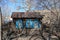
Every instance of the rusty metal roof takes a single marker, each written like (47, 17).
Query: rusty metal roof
(26, 15)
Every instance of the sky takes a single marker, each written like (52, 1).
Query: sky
(9, 6)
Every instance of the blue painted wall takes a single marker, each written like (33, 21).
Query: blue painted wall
(28, 24)
(19, 24)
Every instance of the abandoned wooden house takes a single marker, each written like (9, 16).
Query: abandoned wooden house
(27, 19)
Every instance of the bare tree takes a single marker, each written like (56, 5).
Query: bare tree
(53, 7)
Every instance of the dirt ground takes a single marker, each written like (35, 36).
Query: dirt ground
(32, 32)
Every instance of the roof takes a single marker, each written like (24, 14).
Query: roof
(26, 15)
